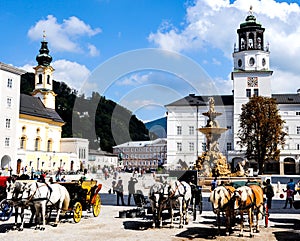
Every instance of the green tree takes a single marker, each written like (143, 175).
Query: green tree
(261, 130)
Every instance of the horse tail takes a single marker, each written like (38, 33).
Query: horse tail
(66, 201)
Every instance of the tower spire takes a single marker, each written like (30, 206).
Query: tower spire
(43, 58)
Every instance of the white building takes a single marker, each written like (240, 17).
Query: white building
(9, 107)
(143, 154)
(99, 159)
(251, 75)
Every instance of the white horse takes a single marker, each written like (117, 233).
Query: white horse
(180, 193)
(43, 195)
(222, 201)
(158, 196)
(17, 197)
(37, 196)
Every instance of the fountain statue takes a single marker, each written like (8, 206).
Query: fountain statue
(212, 162)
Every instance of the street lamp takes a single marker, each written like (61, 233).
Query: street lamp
(38, 163)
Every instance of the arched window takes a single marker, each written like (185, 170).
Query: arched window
(40, 79)
(289, 166)
(37, 144)
(251, 41)
(23, 142)
(48, 79)
(49, 145)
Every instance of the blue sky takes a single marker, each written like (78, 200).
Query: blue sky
(103, 45)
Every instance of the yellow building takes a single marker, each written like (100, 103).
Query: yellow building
(39, 128)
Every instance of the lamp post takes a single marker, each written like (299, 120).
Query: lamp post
(38, 163)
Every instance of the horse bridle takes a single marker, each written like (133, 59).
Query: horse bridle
(219, 201)
(172, 195)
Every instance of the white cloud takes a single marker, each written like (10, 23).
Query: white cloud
(63, 36)
(134, 79)
(93, 51)
(71, 73)
(285, 81)
(213, 24)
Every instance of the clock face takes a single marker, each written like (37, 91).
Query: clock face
(251, 61)
(252, 82)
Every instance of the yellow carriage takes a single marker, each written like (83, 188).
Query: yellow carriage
(84, 196)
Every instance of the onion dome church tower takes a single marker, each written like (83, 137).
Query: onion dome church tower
(44, 76)
(251, 74)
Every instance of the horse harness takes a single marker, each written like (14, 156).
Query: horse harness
(229, 201)
(252, 202)
(172, 195)
(31, 197)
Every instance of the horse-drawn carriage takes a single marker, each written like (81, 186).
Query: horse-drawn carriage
(41, 198)
(84, 196)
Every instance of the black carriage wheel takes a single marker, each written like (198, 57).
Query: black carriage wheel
(200, 203)
(194, 209)
(6, 210)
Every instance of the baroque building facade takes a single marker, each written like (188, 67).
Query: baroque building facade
(251, 75)
(33, 140)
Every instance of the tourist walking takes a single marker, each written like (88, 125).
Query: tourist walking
(292, 185)
(269, 191)
(120, 192)
(289, 197)
(131, 188)
(214, 184)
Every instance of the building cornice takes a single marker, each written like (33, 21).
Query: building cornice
(41, 119)
(11, 69)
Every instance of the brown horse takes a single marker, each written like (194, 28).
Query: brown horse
(221, 199)
(249, 199)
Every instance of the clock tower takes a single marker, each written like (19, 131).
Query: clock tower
(251, 74)
(44, 76)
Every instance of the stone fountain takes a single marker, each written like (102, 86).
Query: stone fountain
(212, 162)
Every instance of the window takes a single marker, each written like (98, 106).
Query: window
(49, 145)
(298, 146)
(298, 130)
(297, 112)
(191, 146)
(248, 93)
(256, 92)
(191, 130)
(179, 130)
(7, 123)
(203, 146)
(23, 142)
(9, 83)
(179, 146)
(7, 141)
(8, 102)
(37, 144)
(40, 79)
(48, 79)
(229, 146)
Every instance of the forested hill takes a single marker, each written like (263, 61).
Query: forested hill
(87, 124)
